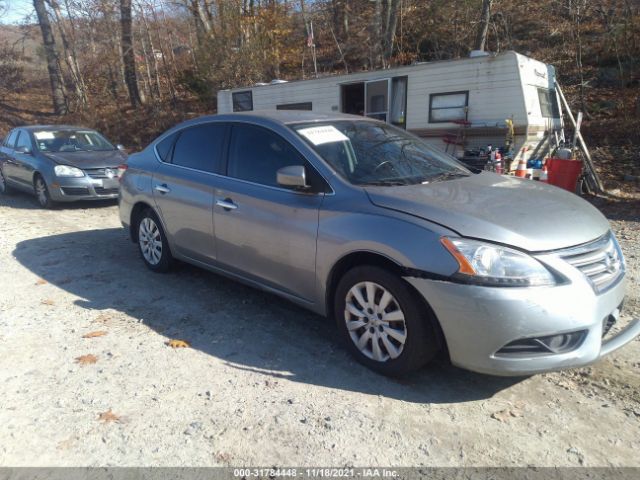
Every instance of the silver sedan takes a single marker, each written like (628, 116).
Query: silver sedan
(406, 248)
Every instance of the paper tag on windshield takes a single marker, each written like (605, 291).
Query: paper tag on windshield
(324, 134)
(44, 135)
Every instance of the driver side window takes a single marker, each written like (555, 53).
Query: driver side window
(24, 141)
(256, 154)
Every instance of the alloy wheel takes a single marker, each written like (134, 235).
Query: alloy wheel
(41, 192)
(150, 241)
(375, 321)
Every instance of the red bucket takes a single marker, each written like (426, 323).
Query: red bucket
(564, 173)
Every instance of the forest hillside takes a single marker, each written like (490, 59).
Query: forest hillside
(134, 68)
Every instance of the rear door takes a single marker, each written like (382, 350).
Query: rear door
(183, 188)
(264, 231)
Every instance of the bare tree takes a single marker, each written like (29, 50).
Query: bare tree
(483, 26)
(60, 105)
(128, 54)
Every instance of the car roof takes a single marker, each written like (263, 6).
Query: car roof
(33, 128)
(283, 117)
(295, 116)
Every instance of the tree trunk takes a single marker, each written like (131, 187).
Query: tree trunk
(483, 26)
(70, 57)
(391, 23)
(60, 106)
(128, 54)
(376, 34)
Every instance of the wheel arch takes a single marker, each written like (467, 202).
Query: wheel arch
(362, 258)
(136, 211)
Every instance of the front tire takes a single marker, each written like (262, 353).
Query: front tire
(152, 243)
(42, 192)
(383, 323)
(5, 189)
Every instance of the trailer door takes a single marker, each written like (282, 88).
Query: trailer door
(377, 99)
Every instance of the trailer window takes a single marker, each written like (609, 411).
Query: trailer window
(548, 103)
(448, 107)
(295, 106)
(242, 101)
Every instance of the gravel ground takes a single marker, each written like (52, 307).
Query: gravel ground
(263, 382)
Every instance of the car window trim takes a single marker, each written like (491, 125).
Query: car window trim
(272, 187)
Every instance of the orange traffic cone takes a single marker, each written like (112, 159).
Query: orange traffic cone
(544, 176)
(522, 169)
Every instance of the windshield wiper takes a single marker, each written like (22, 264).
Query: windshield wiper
(445, 176)
(386, 183)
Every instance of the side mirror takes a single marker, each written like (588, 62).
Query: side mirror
(120, 147)
(24, 150)
(292, 176)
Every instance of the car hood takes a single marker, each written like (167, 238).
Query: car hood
(526, 214)
(110, 158)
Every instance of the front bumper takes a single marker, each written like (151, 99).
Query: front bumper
(70, 189)
(478, 321)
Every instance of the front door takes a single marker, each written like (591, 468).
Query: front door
(183, 188)
(264, 231)
(24, 162)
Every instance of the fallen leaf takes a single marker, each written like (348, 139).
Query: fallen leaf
(48, 301)
(97, 333)
(502, 416)
(86, 359)
(505, 415)
(175, 343)
(109, 416)
(41, 281)
(103, 318)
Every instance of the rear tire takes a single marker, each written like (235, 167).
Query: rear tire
(41, 190)
(392, 333)
(152, 242)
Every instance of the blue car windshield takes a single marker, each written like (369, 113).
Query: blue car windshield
(55, 141)
(374, 153)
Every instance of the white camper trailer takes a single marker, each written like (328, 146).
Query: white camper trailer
(458, 105)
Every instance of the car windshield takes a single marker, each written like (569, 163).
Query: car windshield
(71, 141)
(370, 153)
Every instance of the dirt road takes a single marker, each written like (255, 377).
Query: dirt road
(263, 382)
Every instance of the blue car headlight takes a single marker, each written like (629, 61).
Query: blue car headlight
(67, 171)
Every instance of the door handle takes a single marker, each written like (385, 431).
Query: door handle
(162, 188)
(227, 204)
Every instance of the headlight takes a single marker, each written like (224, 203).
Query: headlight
(67, 171)
(488, 264)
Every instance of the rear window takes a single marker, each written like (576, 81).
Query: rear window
(11, 139)
(200, 147)
(165, 146)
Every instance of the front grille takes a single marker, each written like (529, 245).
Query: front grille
(75, 190)
(102, 172)
(105, 191)
(600, 261)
